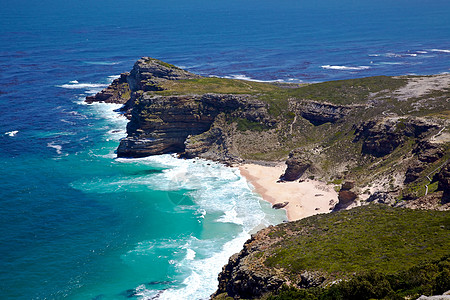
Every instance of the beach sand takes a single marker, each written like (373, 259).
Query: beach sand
(305, 198)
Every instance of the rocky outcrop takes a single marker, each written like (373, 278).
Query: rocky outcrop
(117, 92)
(432, 201)
(164, 124)
(297, 164)
(247, 277)
(444, 183)
(319, 113)
(323, 250)
(347, 195)
(148, 74)
(428, 152)
(382, 136)
(381, 198)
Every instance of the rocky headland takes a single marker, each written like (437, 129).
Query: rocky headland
(381, 140)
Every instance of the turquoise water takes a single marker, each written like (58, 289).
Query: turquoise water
(77, 223)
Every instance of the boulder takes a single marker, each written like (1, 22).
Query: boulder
(346, 196)
(280, 205)
(296, 166)
(382, 198)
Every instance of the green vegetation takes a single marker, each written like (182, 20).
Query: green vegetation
(244, 124)
(347, 91)
(216, 85)
(371, 238)
(424, 279)
(162, 63)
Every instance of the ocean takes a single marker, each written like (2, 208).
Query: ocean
(78, 223)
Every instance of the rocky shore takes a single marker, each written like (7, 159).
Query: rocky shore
(378, 140)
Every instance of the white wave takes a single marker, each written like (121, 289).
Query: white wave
(202, 281)
(74, 86)
(73, 82)
(374, 55)
(230, 216)
(422, 52)
(390, 63)
(12, 133)
(111, 78)
(392, 55)
(67, 122)
(57, 147)
(221, 198)
(244, 77)
(103, 63)
(440, 50)
(190, 255)
(345, 68)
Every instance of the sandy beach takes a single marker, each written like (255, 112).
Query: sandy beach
(305, 198)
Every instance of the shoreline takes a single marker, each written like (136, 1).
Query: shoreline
(306, 198)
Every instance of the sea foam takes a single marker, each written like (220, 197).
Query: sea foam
(12, 133)
(345, 68)
(440, 50)
(221, 196)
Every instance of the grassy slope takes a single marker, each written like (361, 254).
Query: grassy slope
(374, 237)
(341, 155)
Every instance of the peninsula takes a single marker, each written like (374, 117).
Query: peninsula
(345, 144)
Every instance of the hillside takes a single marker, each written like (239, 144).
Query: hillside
(388, 135)
(376, 140)
(375, 242)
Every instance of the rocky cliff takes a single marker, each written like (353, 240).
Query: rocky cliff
(386, 134)
(378, 140)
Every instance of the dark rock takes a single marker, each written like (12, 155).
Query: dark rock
(310, 279)
(296, 166)
(319, 113)
(382, 136)
(428, 152)
(280, 205)
(347, 185)
(413, 172)
(444, 183)
(382, 198)
(117, 92)
(346, 197)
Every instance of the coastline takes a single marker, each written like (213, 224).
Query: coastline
(306, 198)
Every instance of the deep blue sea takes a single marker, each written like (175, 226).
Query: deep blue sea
(77, 223)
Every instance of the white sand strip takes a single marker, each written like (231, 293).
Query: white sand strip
(305, 198)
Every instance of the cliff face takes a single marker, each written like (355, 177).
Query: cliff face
(386, 134)
(378, 139)
(162, 124)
